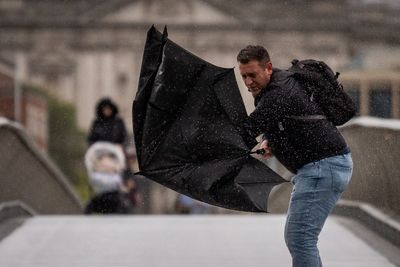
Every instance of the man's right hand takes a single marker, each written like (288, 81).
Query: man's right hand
(267, 149)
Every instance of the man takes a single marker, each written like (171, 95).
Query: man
(312, 149)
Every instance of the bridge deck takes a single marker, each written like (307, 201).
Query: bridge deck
(173, 241)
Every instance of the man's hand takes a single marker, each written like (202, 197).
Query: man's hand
(267, 149)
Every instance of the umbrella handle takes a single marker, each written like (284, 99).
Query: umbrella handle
(258, 151)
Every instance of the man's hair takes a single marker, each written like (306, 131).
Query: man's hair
(253, 52)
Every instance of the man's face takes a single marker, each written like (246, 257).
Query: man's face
(107, 111)
(255, 76)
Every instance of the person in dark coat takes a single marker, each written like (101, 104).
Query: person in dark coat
(312, 149)
(108, 126)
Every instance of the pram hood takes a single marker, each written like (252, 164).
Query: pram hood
(104, 157)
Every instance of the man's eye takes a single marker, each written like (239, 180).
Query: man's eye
(252, 75)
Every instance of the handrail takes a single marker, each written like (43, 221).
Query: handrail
(47, 168)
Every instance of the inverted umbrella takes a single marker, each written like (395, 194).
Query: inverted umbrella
(187, 120)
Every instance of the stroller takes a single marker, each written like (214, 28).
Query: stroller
(105, 163)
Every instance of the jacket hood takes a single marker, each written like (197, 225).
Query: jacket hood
(104, 102)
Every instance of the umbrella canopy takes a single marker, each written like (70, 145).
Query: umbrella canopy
(187, 118)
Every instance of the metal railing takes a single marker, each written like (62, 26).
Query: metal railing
(375, 146)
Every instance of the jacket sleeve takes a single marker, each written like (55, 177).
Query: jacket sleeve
(92, 137)
(122, 133)
(267, 115)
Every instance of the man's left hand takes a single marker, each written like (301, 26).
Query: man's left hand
(267, 149)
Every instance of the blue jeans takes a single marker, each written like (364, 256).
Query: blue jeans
(317, 188)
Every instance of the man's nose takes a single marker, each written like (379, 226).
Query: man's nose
(248, 81)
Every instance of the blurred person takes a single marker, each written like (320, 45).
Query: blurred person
(131, 181)
(131, 158)
(132, 193)
(107, 126)
(314, 150)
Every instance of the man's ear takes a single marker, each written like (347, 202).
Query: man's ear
(268, 69)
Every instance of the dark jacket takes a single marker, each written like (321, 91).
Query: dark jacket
(294, 142)
(108, 129)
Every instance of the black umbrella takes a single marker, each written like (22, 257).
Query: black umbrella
(187, 118)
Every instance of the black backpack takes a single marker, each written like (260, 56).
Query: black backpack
(323, 87)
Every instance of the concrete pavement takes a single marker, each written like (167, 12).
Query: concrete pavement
(173, 241)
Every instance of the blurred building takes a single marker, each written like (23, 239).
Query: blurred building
(83, 50)
(33, 108)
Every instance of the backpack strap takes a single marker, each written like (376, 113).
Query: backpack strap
(309, 117)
